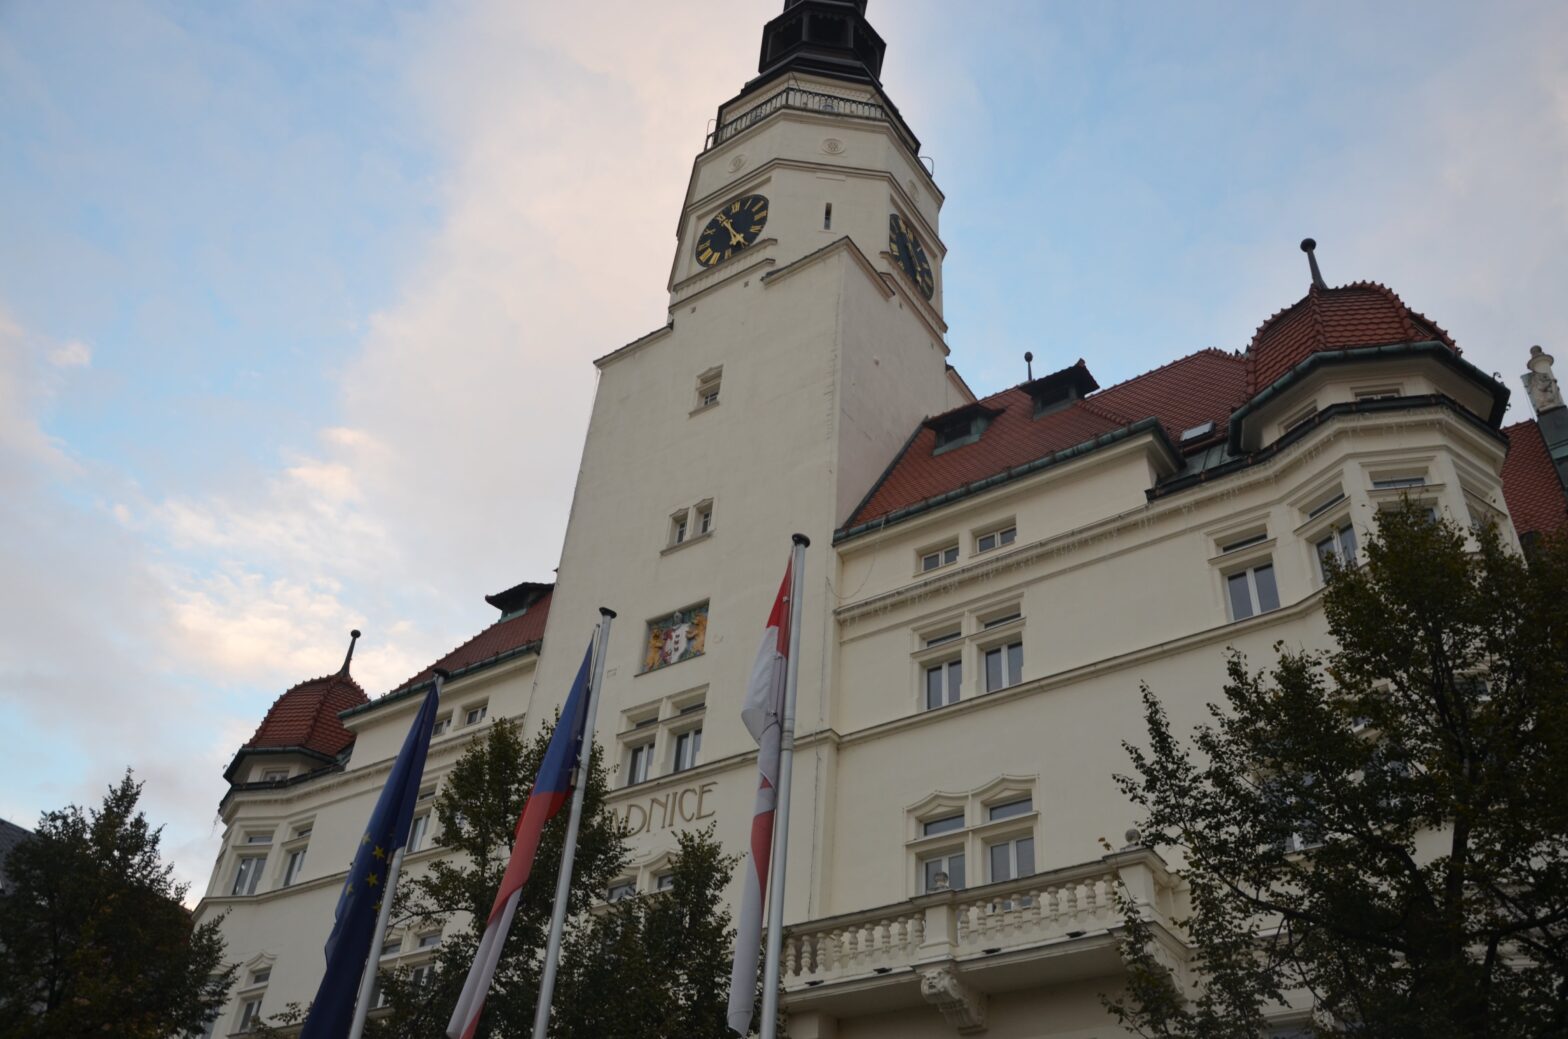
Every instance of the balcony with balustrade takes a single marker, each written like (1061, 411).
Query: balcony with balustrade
(955, 950)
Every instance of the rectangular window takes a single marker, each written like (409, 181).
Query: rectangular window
(422, 975)
(940, 872)
(996, 539)
(1004, 666)
(261, 977)
(1246, 542)
(442, 725)
(1381, 393)
(259, 838)
(997, 622)
(943, 682)
(296, 863)
(687, 745)
(640, 764)
(275, 775)
(418, 830)
(620, 891)
(392, 946)
(946, 824)
(704, 519)
(476, 715)
(1337, 549)
(693, 708)
(937, 640)
(708, 387)
(1252, 591)
(1011, 859)
(940, 558)
(1301, 418)
(248, 876)
(827, 217)
(1395, 482)
(1011, 809)
(430, 941)
(678, 528)
(250, 1015)
(1328, 503)
(664, 882)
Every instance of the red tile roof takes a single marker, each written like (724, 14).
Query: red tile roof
(1362, 313)
(1535, 495)
(504, 636)
(1202, 387)
(306, 717)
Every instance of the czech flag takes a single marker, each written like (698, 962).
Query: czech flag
(763, 717)
(552, 790)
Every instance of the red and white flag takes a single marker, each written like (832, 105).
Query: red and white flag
(762, 716)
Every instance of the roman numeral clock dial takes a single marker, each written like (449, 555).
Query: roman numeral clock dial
(910, 255)
(734, 227)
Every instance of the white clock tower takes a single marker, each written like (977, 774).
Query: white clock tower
(805, 340)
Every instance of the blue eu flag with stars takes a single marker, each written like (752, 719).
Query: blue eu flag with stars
(348, 946)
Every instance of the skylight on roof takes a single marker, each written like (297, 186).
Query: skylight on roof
(1201, 430)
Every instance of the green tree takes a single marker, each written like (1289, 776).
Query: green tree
(660, 958)
(94, 939)
(1384, 825)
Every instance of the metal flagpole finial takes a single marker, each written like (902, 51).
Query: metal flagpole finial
(605, 611)
(1308, 246)
(1029, 363)
(442, 673)
(802, 540)
(353, 637)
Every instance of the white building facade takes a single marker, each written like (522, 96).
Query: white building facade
(989, 582)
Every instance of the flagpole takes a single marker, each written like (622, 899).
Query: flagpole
(367, 979)
(563, 883)
(770, 968)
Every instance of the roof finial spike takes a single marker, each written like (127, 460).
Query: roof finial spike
(1307, 246)
(1029, 363)
(353, 637)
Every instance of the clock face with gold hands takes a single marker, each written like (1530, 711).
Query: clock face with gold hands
(909, 255)
(735, 226)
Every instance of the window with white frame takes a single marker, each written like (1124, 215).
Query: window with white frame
(418, 831)
(942, 871)
(293, 867)
(937, 558)
(250, 1014)
(1252, 591)
(943, 824)
(708, 385)
(247, 875)
(1009, 809)
(1336, 548)
(944, 679)
(1300, 418)
(441, 726)
(679, 527)
(639, 763)
(621, 890)
(275, 775)
(687, 746)
(1378, 393)
(664, 882)
(1398, 482)
(429, 940)
(1010, 858)
(1004, 665)
(995, 539)
(704, 520)
(476, 714)
(208, 1028)
(422, 975)
(392, 946)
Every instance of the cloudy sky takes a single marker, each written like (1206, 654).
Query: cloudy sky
(297, 300)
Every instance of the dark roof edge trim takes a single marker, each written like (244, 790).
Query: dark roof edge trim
(1429, 400)
(1357, 354)
(399, 695)
(1066, 454)
(243, 752)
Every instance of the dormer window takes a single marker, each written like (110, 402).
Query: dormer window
(1059, 389)
(957, 428)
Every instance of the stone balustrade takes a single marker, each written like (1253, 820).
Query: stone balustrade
(953, 926)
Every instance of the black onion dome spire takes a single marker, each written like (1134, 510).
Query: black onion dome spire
(824, 37)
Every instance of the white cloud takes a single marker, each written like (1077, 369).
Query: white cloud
(74, 354)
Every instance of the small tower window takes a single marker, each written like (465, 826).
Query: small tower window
(827, 217)
(708, 384)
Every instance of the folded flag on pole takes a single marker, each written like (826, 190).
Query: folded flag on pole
(762, 715)
(348, 946)
(551, 790)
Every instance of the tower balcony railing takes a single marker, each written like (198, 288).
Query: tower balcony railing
(799, 99)
(1065, 921)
